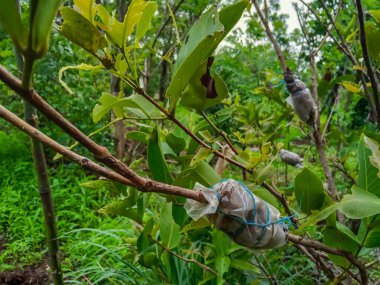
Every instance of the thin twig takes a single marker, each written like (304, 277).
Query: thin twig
(340, 166)
(346, 49)
(271, 278)
(329, 28)
(320, 246)
(172, 118)
(270, 35)
(203, 266)
(317, 133)
(330, 115)
(166, 22)
(219, 132)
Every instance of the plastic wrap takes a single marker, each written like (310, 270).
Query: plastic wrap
(245, 218)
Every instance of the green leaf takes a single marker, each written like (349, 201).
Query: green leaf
(133, 17)
(207, 174)
(376, 15)
(80, 31)
(137, 136)
(372, 33)
(199, 45)
(202, 154)
(177, 144)
(368, 179)
(317, 216)
(142, 242)
(352, 87)
(196, 225)
(221, 242)
(309, 190)
(45, 12)
(204, 90)
(335, 238)
(156, 159)
(373, 238)
(231, 14)
(10, 19)
(99, 184)
(244, 265)
(111, 26)
(203, 38)
(222, 265)
(87, 8)
(144, 108)
(375, 157)
(121, 208)
(347, 231)
(145, 21)
(169, 230)
(109, 102)
(179, 214)
(360, 204)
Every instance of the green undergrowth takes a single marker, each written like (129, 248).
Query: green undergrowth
(91, 244)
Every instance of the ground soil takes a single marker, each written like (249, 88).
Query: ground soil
(32, 274)
(36, 275)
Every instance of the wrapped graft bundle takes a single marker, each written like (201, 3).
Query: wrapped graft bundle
(245, 218)
(300, 99)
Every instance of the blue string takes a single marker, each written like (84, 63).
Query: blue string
(283, 221)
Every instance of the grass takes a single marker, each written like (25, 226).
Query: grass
(92, 245)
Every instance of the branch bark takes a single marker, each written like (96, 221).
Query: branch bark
(270, 35)
(317, 133)
(370, 71)
(320, 246)
(147, 186)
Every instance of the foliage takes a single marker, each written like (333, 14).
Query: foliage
(111, 233)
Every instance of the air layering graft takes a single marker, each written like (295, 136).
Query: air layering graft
(245, 218)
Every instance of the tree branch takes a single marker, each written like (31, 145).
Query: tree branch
(147, 186)
(317, 133)
(371, 73)
(101, 153)
(172, 118)
(150, 186)
(270, 35)
(320, 246)
(346, 50)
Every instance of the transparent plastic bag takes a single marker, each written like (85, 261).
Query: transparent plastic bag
(245, 218)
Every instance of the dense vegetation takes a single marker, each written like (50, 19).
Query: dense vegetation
(173, 91)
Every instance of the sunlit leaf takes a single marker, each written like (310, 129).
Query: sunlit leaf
(144, 23)
(109, 102)
(80, 31)
(87, 8)
(352, 87)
